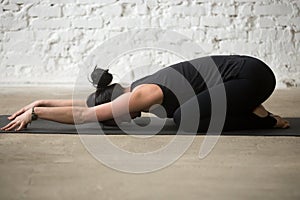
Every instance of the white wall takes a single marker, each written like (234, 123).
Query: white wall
(43, 41)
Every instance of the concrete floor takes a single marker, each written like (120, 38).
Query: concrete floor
(57, 166)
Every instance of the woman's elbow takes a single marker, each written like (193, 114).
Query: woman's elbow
(81, 115)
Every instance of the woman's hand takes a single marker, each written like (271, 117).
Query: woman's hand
(19, 122)
(24, 109)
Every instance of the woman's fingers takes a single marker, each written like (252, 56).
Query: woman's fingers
(21, 126)
(16, 114)
(9, 126)
(14, 124)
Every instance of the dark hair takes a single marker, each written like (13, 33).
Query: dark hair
(104, 93)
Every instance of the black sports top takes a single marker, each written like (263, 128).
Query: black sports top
(179, 82)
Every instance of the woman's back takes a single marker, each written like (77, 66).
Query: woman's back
(181, 81)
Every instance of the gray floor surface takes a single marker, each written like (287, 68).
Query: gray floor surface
(58, 166)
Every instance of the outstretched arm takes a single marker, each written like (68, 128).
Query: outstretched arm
(67, 115)
(139, 100)
(61, 103)
(49, 103)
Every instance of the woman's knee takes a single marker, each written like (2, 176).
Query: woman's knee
(187, 123)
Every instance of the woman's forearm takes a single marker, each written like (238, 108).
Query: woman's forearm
(67, 115)
(61, 103)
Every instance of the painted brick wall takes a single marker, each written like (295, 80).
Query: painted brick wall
(44, 41)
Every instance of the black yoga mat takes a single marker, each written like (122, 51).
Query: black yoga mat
(140, 126)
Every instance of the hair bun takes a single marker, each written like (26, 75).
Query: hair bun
(101, 78)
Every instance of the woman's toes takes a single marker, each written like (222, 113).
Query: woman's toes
(281, 123)
(287, 124)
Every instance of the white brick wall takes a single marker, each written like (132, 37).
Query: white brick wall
(44, 41)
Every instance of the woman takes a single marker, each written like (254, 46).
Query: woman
(248, 82)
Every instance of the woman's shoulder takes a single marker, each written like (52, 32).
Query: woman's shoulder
(147, 88)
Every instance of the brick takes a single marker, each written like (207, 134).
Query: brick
(42, 34)
(224, 34)
(111, 33)
(11, 6)
(184, 22)
(288, 21)
(154, 21)
(210, 21)
(193, 10)
(186, 33)
(24, 1)
(238, 47)
(195, 21)
(111, 10)
(265, 47)
(198, 35)
(297, 36)
(20, 35)
(206, 46)
(151, 4)
(255, 1)
(97, 2)
(66, 2)
(284, 46)
(296, 23)
(283, 21)
(191, 48)
(265, 22)
(88, 34)
(174, 2)
(170, 38)
(22, 59)
(168, 22)
(223, 10)
(275, 9)
(54, 38)
(45, 11)
(284, 35)
(175, 22)
(141, 58)
(57, 50)
(259, 35)
(12, 24)
(50, 23)
(96, 22)
(129, 22)
(1, 36)
(75, 55)
(245, 23)
(72, 35)
(244, 10)
(216, 1)
(142, 9)
(131, 1)
(63, 61)
(73, 10)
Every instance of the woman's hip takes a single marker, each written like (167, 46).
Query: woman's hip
(257, 72)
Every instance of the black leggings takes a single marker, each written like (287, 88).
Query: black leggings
(253, 85)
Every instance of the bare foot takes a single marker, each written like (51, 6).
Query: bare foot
(281, 123)
(262, 112)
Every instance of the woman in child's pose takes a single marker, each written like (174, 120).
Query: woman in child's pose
(248, 82)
